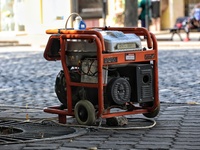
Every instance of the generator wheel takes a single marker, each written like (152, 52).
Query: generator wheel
(153, 113)
(85, 112)
(60, 88)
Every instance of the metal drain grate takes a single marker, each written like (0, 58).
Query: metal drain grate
(20, 132)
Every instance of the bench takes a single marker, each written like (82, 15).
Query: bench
(180, 26)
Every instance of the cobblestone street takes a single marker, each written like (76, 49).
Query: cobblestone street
(179, 75)
(28, 79)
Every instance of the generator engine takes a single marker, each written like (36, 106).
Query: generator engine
(124, 83)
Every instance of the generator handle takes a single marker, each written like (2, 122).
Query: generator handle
(71, 32)
(155, 47)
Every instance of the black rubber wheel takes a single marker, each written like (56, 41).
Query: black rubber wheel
(153, 113)
(60, 88)
(85, 112)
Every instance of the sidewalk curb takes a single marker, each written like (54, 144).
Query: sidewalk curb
(40, 40)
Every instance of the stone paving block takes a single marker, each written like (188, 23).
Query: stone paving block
(127, 139)
(163, 135)
(127, 135)
(91, 139)
(193, 113)
(154, 146)
(80, 144)
(186, 139)
(99, 133)
(70, 148)
(177, 108)
(162, 132)
(195, 108)
(188, 133)
(185, 147)
(5, 115)
(155, 142)
(132, 132)
(114, 146)
(43, 144)
(175, 111)
(192, 118)
(189, 124)
(119, 142)
(12, 147)
(189, 128)
(186, 143)
(20, 116)
(168, 123)
(170, 117)
(40, 148)
(156, 139)
(176, 149)
(162, 127)
(94, 142)
(45, 115)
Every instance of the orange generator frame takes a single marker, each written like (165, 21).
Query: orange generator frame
(84, 111)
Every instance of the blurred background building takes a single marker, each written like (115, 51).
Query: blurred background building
(35, 16)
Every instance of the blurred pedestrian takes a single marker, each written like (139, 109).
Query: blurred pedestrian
(193, 21)
(144, 12)
(155, 8)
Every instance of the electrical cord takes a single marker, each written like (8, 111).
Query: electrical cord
(86, 126)
(113, 128)
(53, 119)
(69, 17)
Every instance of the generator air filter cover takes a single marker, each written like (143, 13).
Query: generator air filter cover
(89, 71)
(116, 41)
(144, 85)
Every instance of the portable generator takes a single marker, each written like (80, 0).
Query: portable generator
(104, 68)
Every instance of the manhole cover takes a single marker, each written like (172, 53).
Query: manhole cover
(12, 131)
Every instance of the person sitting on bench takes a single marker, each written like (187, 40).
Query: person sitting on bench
(194, 21)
